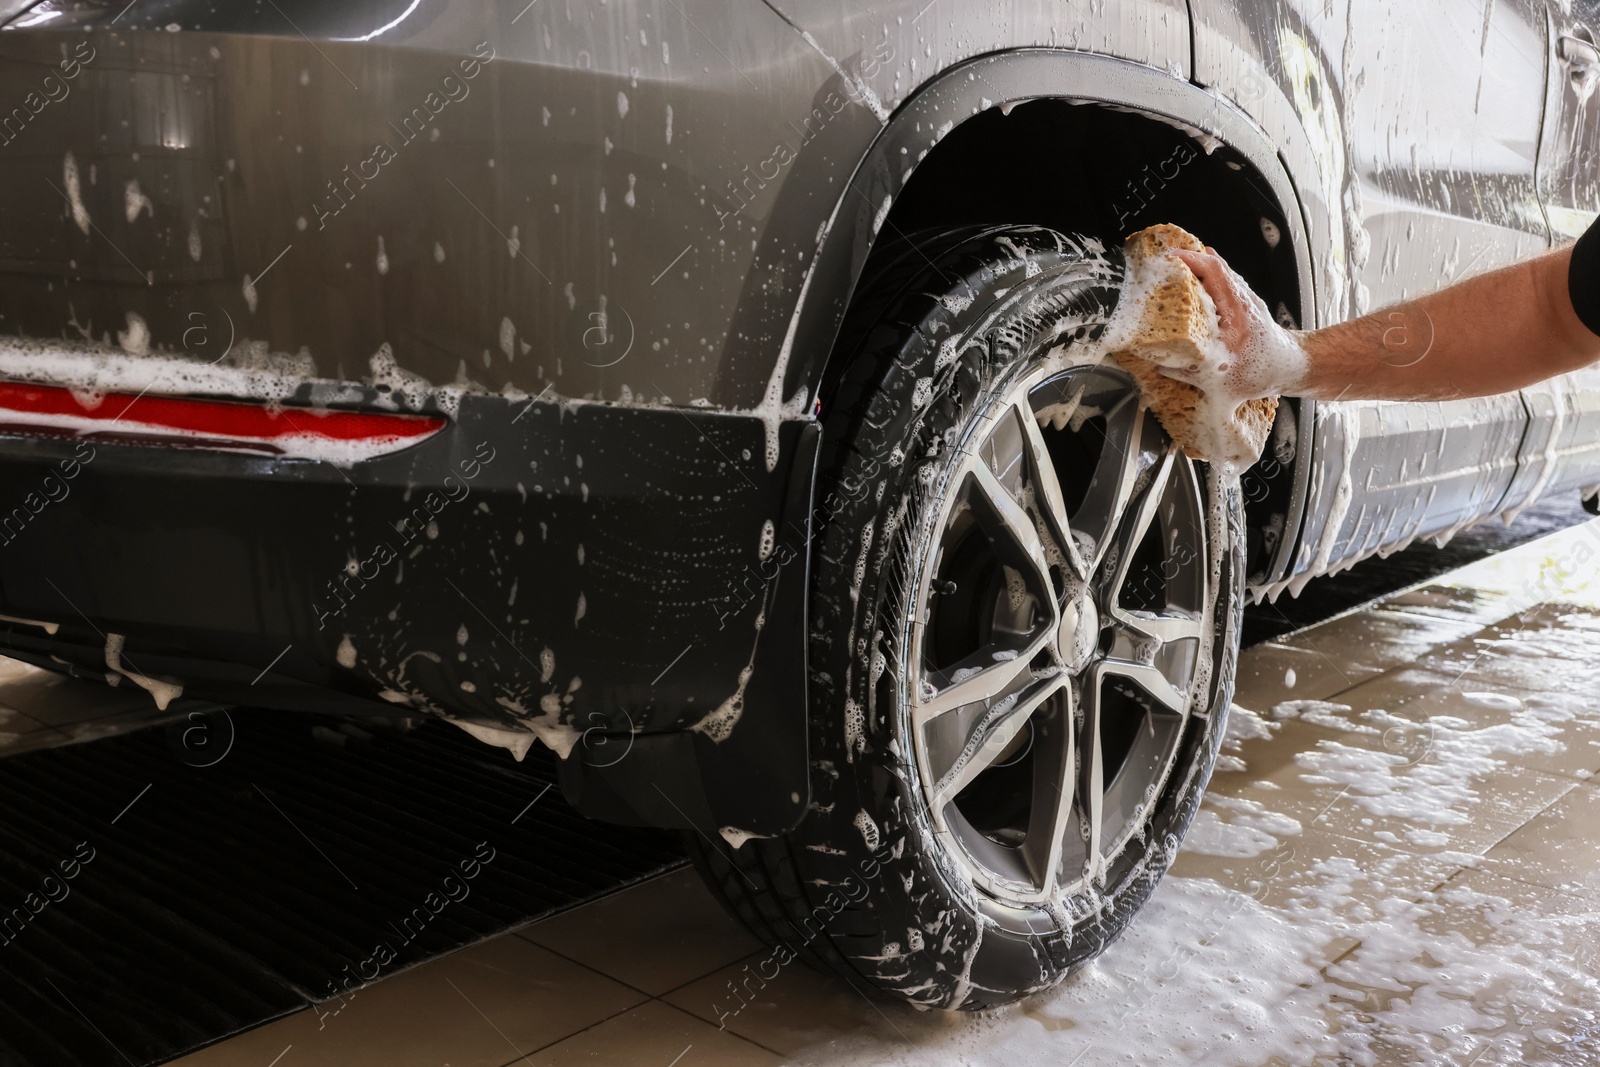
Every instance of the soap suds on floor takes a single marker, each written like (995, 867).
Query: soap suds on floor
(1407, 954)
(1210, 974)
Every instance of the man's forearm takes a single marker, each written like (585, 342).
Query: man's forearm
(1490, 334)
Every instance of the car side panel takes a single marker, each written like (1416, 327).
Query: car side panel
(1409, 180)
(622, 204)
(1561, 452)
(1389, 473)
(1569, 167)
(1562, 449)
(665, 169)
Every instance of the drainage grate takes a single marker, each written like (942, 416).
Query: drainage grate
(155, 906)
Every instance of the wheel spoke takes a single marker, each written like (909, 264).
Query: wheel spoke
(1136, 523)
(979, 678)
(1147, 628)
(1091, 773)
(1159, 629)
(1013, 524)
(1150, 713)
(1151, 680)
(1115, 476)
(993, 731)
(1013, 519)
(1054, 790)
(1042, 471)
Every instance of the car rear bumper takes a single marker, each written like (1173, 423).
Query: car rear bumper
(584, 572)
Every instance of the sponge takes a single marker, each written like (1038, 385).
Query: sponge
(1172, 322)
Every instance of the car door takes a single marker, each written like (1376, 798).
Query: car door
(1413, 133)
(1569, 167)
(1561, 450)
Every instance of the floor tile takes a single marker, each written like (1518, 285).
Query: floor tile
(654, 936)
(1483, 970)
(12, 670)
(1554, 646)
(1559, 565)
(1393, 688)
(122, 722)
(41, 709)
(1573, 910)
(1554, 732)
(481, 1007)
(654, 1034)
(794, 1008)
(20, 732)
(1456, 602)
(1433, 807)
(1261, 752)
(1558, 848)
(1344, 882)
(1270, 672)
(1417, 784)
(14, 719)
(1280, 873)
(60, 700)
(37, 737)
(1366, 643)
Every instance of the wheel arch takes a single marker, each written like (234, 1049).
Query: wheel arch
(965, 149)
(914, 172)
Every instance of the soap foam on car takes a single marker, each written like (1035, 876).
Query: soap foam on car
(1167, 323)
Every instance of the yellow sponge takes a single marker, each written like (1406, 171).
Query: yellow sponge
(1175, 327)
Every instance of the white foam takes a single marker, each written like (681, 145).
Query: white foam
(162, 690)
(516, 742)
(69, 177)
(1210, 836)
(1271, 364)
(1433, 782)
(736, 837)
(1210, 974)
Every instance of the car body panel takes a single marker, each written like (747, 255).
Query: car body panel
(1415, 169)
(1386, 474)
(1562, 450)
(616, 243)
(604, 143)
(580, 242)
(1569, 169)
(488, 571)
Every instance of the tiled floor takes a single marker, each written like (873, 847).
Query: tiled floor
(1398, 862)
(42, 709)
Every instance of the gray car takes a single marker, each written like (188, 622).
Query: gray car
(711, 391)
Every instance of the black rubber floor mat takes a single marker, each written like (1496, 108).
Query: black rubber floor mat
(149, 906)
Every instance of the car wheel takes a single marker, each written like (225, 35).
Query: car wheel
(1025, 617)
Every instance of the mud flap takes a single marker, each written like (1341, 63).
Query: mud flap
(743, 769)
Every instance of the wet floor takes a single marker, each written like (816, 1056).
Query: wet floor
(1398, 862)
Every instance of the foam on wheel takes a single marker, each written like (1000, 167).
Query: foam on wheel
(1025, 616)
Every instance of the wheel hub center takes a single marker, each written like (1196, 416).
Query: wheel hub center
(1078, 635)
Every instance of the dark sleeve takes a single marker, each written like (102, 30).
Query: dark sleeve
(1583, 278)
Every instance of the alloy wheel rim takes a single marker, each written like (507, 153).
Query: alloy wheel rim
(1056, 633)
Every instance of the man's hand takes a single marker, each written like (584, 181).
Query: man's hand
(1237, 304)
(1262, 359)
(1489, 334)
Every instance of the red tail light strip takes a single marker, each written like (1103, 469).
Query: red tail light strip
(338, 436)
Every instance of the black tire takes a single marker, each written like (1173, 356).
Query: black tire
(869, 885)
